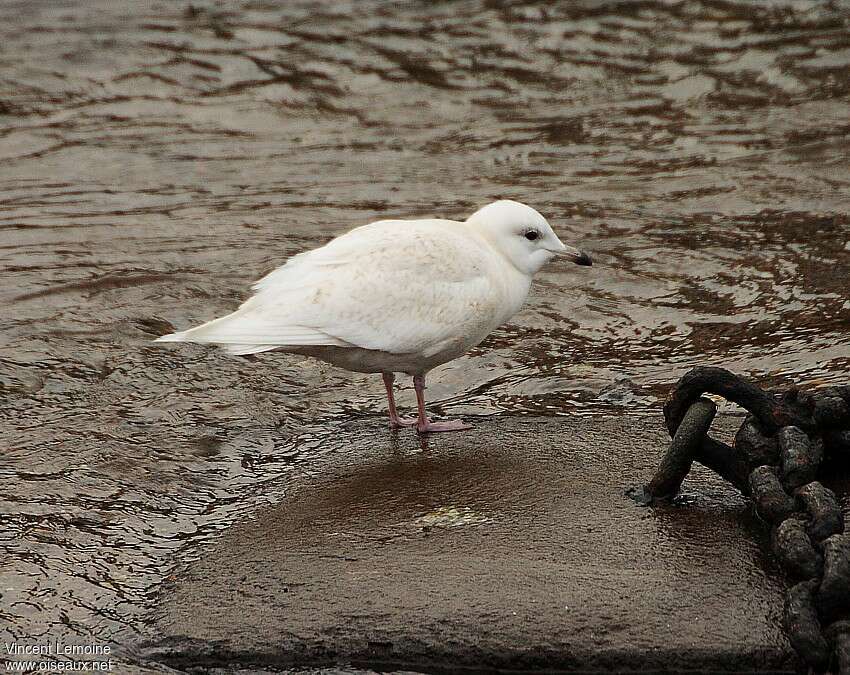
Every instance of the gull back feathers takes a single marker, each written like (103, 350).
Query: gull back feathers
(424, 288)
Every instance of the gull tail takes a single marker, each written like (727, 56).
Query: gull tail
(243, 350)
(246, 331)
(174, 337)
(210, 333)
(217, 331)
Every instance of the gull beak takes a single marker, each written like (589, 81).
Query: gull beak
(577, 256)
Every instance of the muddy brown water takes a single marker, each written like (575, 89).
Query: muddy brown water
(158, 157)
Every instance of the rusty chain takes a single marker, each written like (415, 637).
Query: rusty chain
(786, 443)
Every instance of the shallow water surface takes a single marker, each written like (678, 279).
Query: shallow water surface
(159, 157)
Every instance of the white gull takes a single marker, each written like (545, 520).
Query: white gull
(395, 296)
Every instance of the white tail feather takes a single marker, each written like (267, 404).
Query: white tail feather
(173, 337)
(249, 332)
(242, 350)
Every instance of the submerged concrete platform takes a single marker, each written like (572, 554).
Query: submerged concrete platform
(510, 547)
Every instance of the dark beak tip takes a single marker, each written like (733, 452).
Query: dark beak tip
(584, 260)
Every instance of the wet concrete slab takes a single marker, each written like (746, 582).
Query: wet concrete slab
(510, 547)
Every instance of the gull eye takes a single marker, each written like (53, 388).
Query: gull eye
(532, 235)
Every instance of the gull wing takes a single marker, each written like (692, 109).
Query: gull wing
(395, 286)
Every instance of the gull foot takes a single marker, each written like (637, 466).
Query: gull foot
(449, 425)
(401, 422)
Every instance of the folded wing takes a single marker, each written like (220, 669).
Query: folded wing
(395, 286)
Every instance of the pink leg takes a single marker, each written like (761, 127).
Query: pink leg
(424, 425)
(395, 421)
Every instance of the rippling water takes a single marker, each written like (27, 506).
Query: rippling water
(159, 157)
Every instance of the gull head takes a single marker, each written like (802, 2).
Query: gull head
(522, 235)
